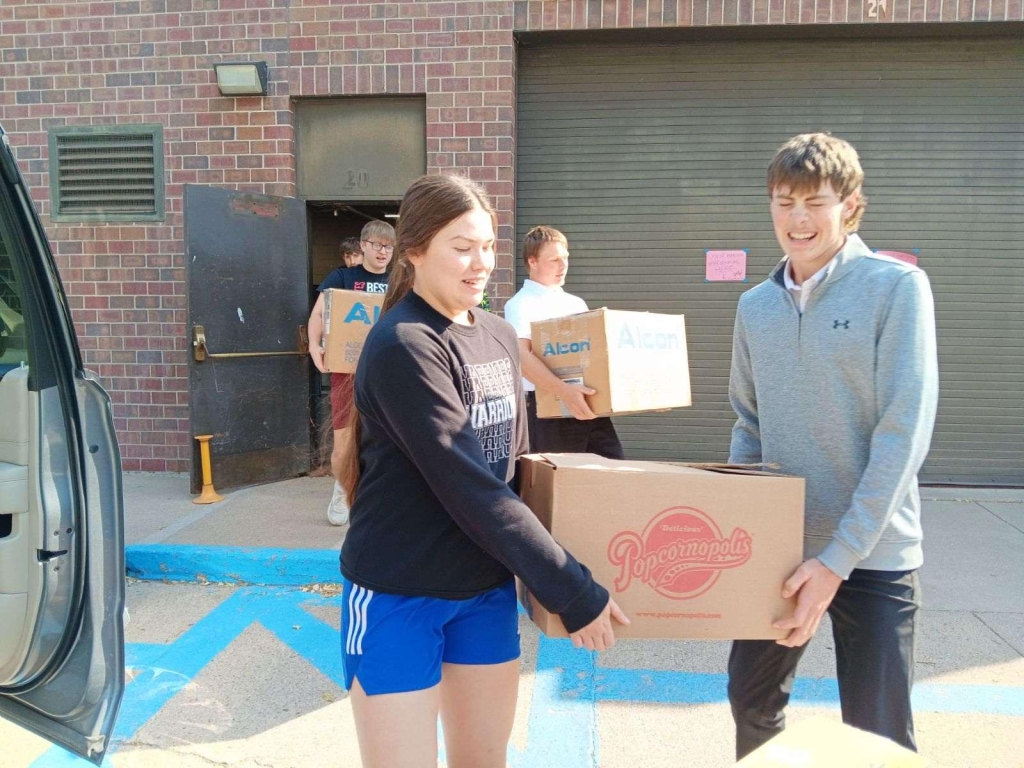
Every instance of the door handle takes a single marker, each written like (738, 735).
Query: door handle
(201, 352)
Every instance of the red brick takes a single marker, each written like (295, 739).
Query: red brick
(624, 17)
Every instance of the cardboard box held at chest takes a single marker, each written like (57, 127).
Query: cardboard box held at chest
(635, 360)
(348, 318)
(687, 551)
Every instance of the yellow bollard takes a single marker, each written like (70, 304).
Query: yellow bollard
(209, 495)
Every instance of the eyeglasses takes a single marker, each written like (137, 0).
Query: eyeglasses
(378, 247)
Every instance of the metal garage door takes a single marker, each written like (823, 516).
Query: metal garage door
(649, 155)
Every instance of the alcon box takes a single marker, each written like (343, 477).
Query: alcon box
(348, 317)
(635, 360)
(687, 551)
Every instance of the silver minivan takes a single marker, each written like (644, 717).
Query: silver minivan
(62, 571)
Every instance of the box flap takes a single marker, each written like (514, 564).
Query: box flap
(591, 461)
(566, 320)
(634, 312)
(759, 470)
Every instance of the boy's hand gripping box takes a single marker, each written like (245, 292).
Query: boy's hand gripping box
(687, 551)
(348, 317)
(635, 360)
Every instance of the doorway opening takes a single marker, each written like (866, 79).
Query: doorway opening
(330, 222)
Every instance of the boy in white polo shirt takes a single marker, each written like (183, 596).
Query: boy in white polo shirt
(546, 253)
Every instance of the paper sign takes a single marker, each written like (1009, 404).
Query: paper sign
(907, 257)
(726, 266)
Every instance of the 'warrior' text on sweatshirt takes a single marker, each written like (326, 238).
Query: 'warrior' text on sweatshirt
(442, 417)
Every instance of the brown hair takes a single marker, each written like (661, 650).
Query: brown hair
(350, 245)
(378, 230)
(805, 161)
(429, 205)
(536, 238)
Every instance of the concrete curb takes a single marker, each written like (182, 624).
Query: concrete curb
(973, 495)
(233, 565)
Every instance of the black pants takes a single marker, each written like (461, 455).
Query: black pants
(873, 620)
(571, 435)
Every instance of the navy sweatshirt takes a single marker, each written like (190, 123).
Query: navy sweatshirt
(442, 415)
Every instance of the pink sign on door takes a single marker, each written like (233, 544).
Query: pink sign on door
(726, 266)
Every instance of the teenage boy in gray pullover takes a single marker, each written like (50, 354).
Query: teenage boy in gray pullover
(834, 379)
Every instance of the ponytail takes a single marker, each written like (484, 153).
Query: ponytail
(349, 474)
(399, 282)
(429, 205)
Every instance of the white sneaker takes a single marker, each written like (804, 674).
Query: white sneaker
(337, 510)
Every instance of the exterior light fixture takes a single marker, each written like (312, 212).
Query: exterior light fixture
(242, 78)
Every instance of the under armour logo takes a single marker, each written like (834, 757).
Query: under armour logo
(844, 324)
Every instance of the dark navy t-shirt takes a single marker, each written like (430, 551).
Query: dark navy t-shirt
(356, 279)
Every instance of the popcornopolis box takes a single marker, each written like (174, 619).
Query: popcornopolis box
(687, 551)
(635, 360)
(348, 318)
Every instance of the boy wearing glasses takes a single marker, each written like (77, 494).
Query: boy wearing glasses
(377, 243)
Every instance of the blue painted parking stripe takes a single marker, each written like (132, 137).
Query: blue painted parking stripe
(143, 654)
(563, 712)
(313, 639)
(973, 699)
(233, 565)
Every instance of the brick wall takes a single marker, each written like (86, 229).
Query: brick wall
(615, 14)
(142, 61)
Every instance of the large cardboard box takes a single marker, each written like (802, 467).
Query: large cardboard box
(820, 743)
(348, 317)
(687, 551)
(635, 360)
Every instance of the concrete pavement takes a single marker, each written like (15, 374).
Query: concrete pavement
(249, 676)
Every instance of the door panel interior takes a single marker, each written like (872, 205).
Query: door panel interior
(14, 450)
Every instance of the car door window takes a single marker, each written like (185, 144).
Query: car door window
(13, 351)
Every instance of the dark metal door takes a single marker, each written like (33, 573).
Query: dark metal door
(248, 294)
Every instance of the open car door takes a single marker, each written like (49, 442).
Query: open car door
(61, 520)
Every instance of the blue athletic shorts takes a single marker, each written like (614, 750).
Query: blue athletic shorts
(396, 644)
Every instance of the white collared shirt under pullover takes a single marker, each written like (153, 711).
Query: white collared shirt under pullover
(844, 395)
(802, 293)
